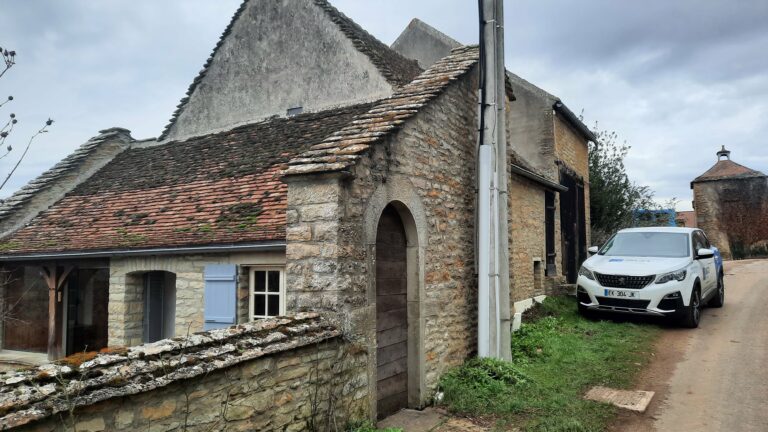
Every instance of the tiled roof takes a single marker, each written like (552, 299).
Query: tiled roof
(342, 149)
(728, 169)
(218, 189)
(397, 69)
(68, 164)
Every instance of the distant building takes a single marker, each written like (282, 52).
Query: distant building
(686, 219)
(731, 205)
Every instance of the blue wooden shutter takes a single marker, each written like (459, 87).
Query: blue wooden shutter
(220, 296)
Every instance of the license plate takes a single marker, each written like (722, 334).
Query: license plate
(620, 294)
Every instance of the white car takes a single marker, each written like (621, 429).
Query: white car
(653, 271)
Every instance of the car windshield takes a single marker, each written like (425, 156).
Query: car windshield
(648, 244)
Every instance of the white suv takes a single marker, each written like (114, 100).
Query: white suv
(653, 271)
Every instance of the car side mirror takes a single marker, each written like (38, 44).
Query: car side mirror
(593, 250)
(704, 253)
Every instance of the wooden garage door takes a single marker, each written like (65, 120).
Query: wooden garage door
(391, 314)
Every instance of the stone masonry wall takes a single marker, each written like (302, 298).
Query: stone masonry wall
(527, 239)
(427, 167)
(530, 129)
(126, 285)
(286, 374)
(734, 214)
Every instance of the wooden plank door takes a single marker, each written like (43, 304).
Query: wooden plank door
(391, 315)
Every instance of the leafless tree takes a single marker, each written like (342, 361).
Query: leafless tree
(9, 60)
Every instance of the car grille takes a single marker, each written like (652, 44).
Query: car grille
(623, 303)
(621, 281)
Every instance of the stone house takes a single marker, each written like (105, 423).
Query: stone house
(731, 205)
(309, 167)
(549, 155)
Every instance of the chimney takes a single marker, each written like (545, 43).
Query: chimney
(723, 152)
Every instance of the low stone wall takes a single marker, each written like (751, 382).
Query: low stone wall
(286, 374)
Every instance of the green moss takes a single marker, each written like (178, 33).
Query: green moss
(240, 217)
(129, 239)
(9, 245)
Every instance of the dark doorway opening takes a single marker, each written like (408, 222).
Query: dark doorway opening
(391, 314)
(549, 227)
(87, 300)
(159, 305)
(572, 224)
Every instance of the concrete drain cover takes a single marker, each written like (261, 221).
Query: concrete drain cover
(633, 400)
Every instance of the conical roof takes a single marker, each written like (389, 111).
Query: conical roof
(727, 169)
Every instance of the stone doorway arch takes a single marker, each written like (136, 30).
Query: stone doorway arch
(397, 210)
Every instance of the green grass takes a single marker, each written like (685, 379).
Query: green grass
(368, 427)
(555, 360)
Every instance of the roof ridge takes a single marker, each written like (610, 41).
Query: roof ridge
(357, 35)
(49, 177)
(382, 56)
(342, 149)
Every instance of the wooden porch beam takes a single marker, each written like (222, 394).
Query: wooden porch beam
(55, 281)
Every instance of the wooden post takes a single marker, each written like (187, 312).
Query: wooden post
(55, 281)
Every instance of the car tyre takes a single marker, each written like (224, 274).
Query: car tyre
(719, 299)
(692, 312)
(586, 312)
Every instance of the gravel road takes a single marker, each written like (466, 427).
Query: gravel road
(714, 378)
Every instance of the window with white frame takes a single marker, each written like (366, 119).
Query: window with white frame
(267, 297)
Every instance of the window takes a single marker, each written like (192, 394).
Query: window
(647, 244)
(267, 292)
(699, 242)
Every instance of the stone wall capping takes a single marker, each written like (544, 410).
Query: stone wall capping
(34, 394)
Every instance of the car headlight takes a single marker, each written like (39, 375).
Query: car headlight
(669, 277)
(587, 273)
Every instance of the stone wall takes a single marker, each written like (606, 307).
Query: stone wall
(734, 215)
(527, 239)
(276, 56)
(285, 374)
(530, 128)
(126, 307)
(331, 232)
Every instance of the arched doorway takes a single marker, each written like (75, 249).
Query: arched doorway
(391, 313)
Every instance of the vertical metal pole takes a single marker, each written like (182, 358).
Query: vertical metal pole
(488, 234)
(505, 316)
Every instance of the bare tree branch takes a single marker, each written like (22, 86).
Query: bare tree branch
(9, 58)
(42, 130)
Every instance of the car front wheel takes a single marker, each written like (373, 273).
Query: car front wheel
(692, 313)
(719, 299)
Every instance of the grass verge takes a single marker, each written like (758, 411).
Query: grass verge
(556, 358)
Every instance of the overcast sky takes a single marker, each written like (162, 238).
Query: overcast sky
(676, 79)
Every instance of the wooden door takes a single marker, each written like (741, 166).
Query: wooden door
(391, 314)
(26, 305)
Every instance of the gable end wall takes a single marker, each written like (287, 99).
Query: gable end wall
(278, 55)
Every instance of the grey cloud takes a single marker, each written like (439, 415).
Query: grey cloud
(676, 79)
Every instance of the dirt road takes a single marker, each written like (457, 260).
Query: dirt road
(714, 378)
